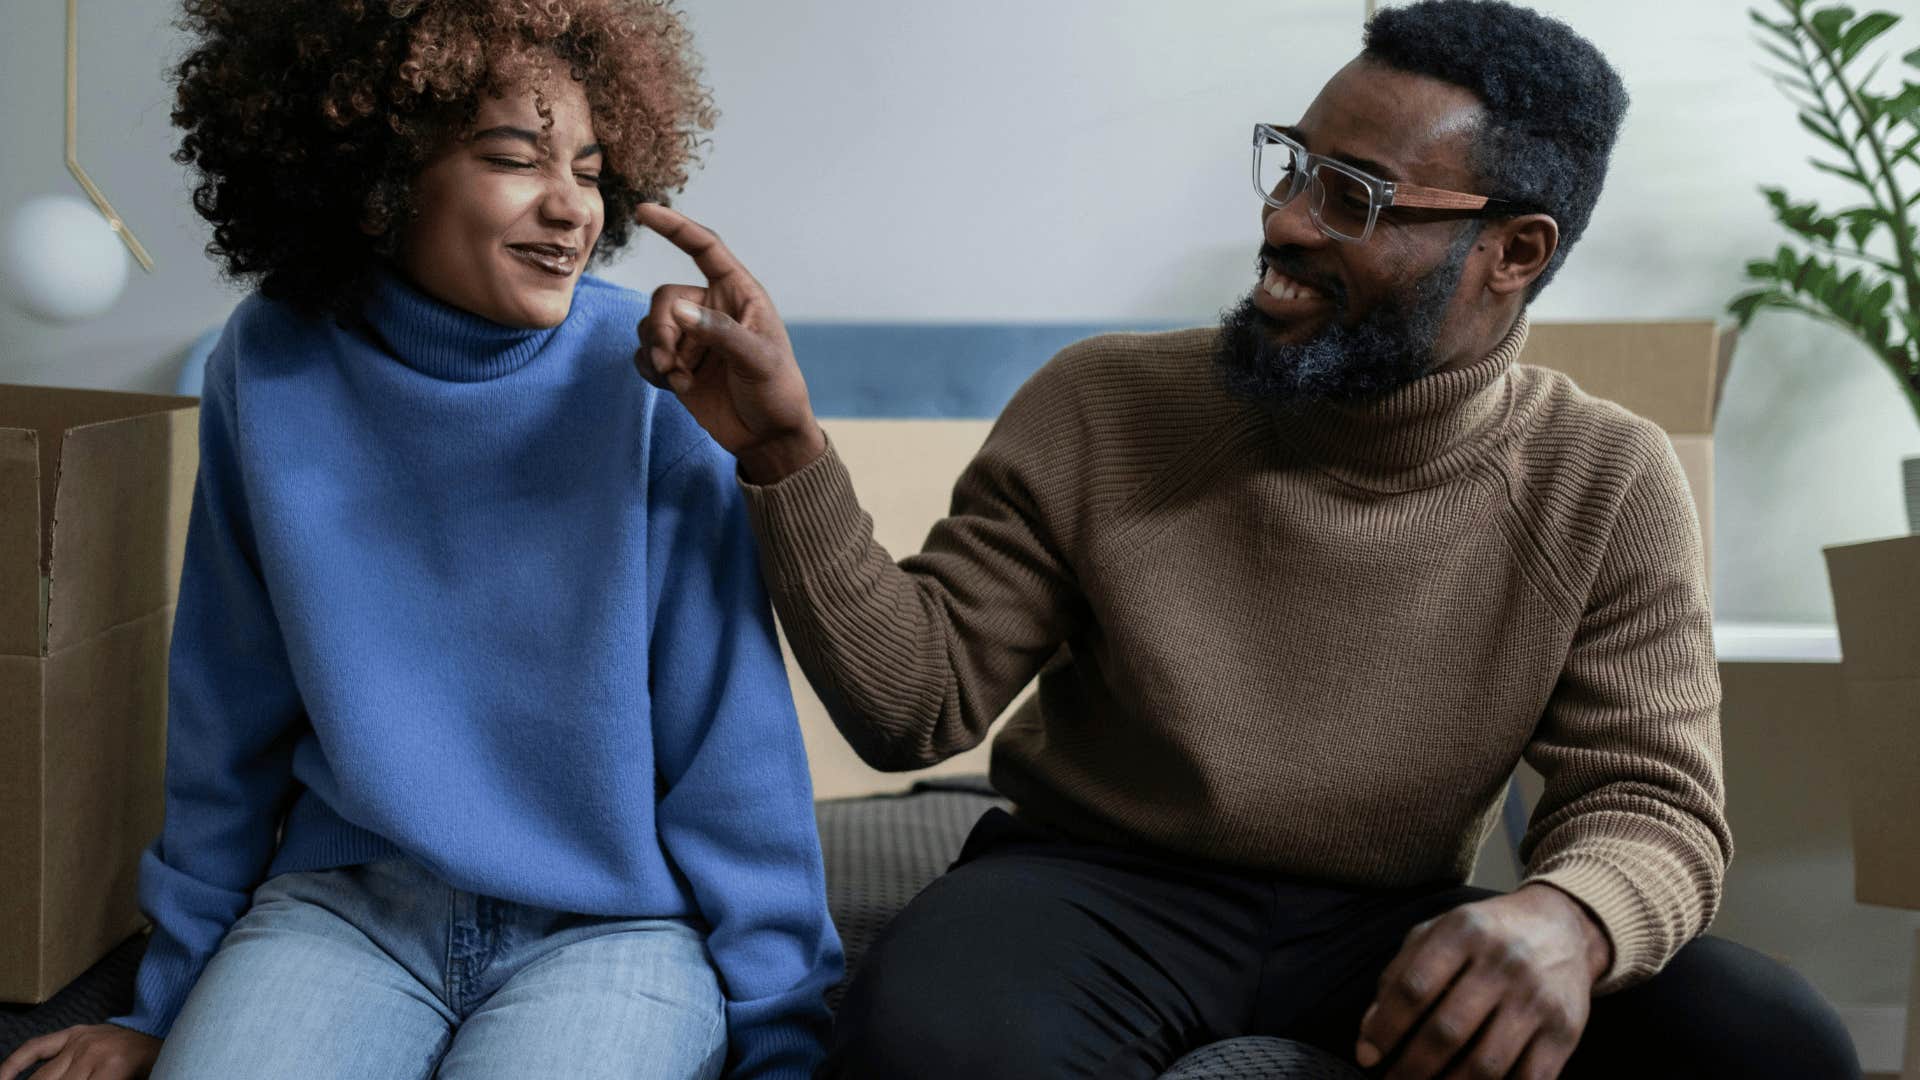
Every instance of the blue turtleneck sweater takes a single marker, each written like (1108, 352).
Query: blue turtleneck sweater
(483, 598)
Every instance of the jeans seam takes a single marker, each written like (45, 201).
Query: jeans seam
(448, 980)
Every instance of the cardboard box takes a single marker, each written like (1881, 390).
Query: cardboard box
(1672, 373)
(94, 492)
(1876, 601)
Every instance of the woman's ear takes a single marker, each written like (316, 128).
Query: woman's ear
(1523, 247)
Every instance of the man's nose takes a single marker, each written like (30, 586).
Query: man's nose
(1290, 225)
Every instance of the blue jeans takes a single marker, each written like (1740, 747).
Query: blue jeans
(383, 971)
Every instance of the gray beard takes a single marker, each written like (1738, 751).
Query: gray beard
(1343, 364)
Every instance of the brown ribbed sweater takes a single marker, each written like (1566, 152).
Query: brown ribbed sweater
(1311, 645)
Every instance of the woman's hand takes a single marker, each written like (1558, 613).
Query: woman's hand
(90, 1051)
(724, 353)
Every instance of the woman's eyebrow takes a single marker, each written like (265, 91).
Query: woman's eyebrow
(531, 138)
(507, 131)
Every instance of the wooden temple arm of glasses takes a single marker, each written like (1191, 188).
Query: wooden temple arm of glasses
(1437, 198)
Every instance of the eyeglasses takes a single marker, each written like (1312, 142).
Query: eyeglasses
(1346, 200)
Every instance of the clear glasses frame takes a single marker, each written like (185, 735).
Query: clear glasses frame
(1309, 170)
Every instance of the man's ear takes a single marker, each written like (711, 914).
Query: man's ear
(1522, 248)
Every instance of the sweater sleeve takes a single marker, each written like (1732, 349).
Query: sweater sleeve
(232, 716)
(1632, 820)
(914, 661)
(736, 816)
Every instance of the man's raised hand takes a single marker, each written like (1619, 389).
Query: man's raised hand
(723, 351)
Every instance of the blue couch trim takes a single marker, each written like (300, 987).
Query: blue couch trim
(929, 370)
(954, 371)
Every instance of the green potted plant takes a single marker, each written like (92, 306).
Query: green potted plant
(1858, 267)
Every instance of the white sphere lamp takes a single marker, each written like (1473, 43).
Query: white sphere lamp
(61, 258)
(61, 261)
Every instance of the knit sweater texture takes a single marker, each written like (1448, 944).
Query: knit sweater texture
(1306, 642)
(482, 598)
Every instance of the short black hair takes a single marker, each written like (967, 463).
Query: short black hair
(1553, 103)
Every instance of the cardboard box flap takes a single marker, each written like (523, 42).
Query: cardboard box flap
(55, 410)
(52, 411)
(1876, 602)
(1668, 372)
(116, 532)
(21, 619)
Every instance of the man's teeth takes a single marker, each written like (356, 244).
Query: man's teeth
(1281, 287)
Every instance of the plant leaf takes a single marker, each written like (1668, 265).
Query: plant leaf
(1848, 172)
(1905, 105)
(1860, 34)
(1830, 23)
(1824, 131)
(1786, 265)
(1785, 30)
(1745, 306)
(1877, 299)
(1781, 54)
(1913, 58)
(1799, 93)
(1875, 327)
(1843, 297)
(1860, 223)
(1803, 218)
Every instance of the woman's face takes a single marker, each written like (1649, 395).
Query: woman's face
(508, 217)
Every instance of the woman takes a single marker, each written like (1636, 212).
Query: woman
(481, 758)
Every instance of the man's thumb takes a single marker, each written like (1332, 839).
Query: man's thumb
(718, 330)
(689, 315)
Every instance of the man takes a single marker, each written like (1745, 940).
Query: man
(1300, 593)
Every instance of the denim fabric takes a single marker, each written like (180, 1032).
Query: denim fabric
(383, 971)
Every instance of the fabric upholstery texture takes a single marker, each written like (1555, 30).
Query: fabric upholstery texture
(1262, 1058)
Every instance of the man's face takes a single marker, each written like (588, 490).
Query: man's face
(1340, 321)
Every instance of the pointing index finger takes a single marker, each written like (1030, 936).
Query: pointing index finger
(699, 242)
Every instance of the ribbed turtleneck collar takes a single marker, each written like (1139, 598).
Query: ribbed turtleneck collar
(442, 341)
(1422, 434)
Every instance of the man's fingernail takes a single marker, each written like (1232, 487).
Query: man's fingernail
(1366, 1055)
(687, 312)
(680, 381)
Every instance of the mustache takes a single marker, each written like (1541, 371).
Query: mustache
(1289, 262)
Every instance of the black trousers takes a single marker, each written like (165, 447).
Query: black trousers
(1041, 956)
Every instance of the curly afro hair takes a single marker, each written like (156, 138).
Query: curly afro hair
(307, 122)
(1553, 103)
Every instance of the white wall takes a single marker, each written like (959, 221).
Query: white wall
(1004, 159)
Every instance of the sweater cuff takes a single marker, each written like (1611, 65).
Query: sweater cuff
(167, 974)
(767, 1040)
(1622, 911)
(808, 523)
